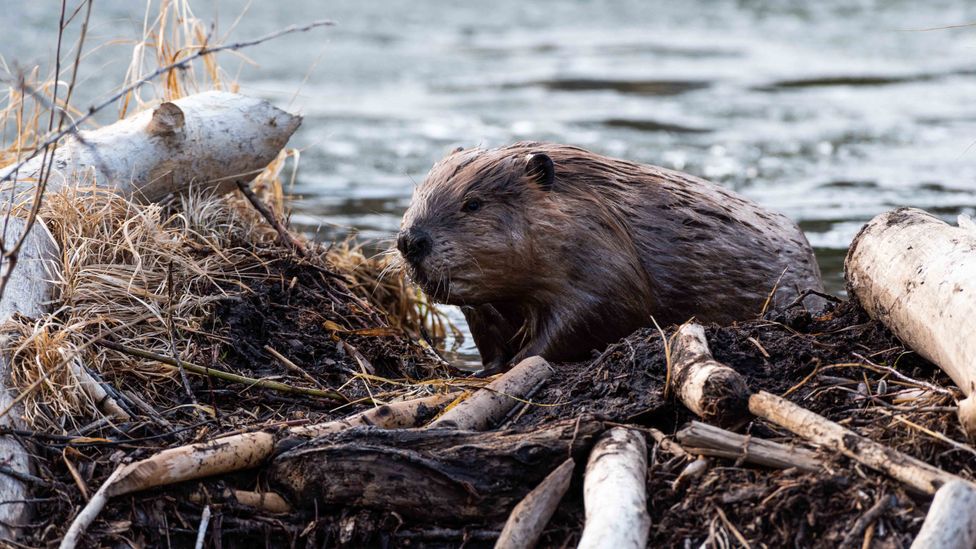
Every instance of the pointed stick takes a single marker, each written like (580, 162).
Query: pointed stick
(529, 518)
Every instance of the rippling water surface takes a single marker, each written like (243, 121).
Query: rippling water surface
(829, 111)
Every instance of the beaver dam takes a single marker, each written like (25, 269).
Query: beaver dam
(180, 369)
(303, 323)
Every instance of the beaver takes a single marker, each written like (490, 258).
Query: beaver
(557, 251)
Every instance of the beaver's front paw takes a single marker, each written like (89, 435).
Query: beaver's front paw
(494, 367)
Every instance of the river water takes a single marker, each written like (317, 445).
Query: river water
(829, 111)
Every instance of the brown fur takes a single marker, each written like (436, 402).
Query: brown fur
(562, 271)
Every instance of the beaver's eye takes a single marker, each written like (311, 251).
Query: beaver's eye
(472, 205)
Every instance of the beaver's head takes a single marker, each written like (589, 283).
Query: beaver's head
(468, 236)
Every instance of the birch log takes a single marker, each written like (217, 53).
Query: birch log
(489, 405)
(29, 292)
(951, 520)
(241, 451)
(713, 391)
(615, 492)
(246, 450)
(917, 275)
(210, 139)
(528, 519)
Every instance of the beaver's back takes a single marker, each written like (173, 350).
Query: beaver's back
(717, 253)
(707, 251)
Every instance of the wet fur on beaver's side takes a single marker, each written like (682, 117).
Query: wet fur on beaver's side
(557, 251)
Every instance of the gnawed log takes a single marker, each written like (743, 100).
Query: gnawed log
(29, 292)
(615, 492)
(205, 459)
(707, 440)
(437, 475)
(916, 474)
(242, 451)
(951, 520)
(210, 140)
(247, 450)
(489, 405)
(713, 391)
(529, 518)
(916, 274)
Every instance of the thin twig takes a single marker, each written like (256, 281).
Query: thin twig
(171, 329)
(202, 531)
(931, 433)
(291, 365)
(13, 253)
(867, 519)
(735, 531)
(226, 376)
(89, 513)
(888, 369)
(283, 233)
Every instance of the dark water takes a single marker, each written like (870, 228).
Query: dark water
(829, 111)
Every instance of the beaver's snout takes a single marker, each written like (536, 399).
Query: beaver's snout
(414, 244)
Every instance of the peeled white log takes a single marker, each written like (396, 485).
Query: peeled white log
(210, 140)
(917, 275)
(615, 492)
(247, 450)
(489, 405)
(528, 519)
(241, 451)
(222, 455)
(951, 520)
(713, 391)
(29, 292)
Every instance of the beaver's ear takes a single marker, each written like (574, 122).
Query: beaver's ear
(540, 170)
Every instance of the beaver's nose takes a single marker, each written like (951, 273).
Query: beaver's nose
(414, 244)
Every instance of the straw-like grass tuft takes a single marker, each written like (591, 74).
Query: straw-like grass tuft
(381, 280)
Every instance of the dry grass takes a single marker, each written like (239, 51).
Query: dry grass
(171, 34)
(381, 280)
